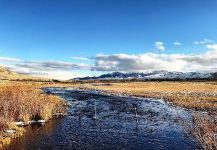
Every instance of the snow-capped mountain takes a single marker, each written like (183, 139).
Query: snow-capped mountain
(153, 75)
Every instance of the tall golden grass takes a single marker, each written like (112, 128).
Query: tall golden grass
(197, 95)
(26, 103)
(205, 130)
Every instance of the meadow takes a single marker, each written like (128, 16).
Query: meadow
(24, 101)
(193, 95)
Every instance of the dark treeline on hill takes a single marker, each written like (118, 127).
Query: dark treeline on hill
(153, 76)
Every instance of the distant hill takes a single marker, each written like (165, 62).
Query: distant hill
(6, 74)
(156, 75)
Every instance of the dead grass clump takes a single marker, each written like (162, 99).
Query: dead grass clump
(3, 125)
(205, 130)
(50, 107)
(26, 103)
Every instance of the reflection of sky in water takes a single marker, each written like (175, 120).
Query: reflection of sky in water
(117, 126)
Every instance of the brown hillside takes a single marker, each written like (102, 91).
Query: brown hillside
(6, 74)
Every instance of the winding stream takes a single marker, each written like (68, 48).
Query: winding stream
(99, 121)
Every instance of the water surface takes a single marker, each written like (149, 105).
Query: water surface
(121, 123)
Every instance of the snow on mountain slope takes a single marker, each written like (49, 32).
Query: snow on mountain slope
(152, 75)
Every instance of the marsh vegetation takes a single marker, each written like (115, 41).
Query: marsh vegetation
(24, 101)
(21, 105)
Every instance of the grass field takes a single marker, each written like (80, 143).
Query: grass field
(196, 95)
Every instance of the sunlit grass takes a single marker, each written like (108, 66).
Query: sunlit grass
(197, 95)
(205, 130)
(26, 103)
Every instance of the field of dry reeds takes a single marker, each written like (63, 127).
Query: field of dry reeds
(194, 95)
(205, 130)
(25, 103)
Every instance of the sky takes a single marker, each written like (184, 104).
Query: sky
(64, 39)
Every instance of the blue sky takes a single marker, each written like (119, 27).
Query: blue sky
(81, 32)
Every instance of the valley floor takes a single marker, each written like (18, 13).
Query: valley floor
(200, 96)
(196, 95)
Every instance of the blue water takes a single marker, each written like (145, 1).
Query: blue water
(123, 123)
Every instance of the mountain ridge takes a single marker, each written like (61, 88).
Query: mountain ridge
(155, 75)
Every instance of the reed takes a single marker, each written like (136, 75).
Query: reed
(205, 130)
(196, 95)
(26, 103)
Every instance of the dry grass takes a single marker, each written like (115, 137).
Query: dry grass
(26, 103)
(205, 130)
(193, 95)
(197, 95)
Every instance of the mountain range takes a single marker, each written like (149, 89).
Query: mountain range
(155, 75)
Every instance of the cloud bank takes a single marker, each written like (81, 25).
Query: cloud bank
(50, 69)
(204, 41)
(151, 61)
(9, 59)
(52, 65)
(203, 62)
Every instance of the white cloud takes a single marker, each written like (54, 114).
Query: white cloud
(119, 62)
(61, 75)
(204, 41)
(159, 45)
(52, 65)
(151, 61)
(81, 58)
(213, 46)
(9, 59)
(49, 69)
(52, 74)
(177, 43)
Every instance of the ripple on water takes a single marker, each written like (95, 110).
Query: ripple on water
(122, 123)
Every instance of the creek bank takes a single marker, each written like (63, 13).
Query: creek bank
(21, 106)
(121, 123)
(18, 129)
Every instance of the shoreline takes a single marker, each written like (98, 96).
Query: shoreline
(26, 105)
(204, 100)
(21, 130)
(185, 98)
